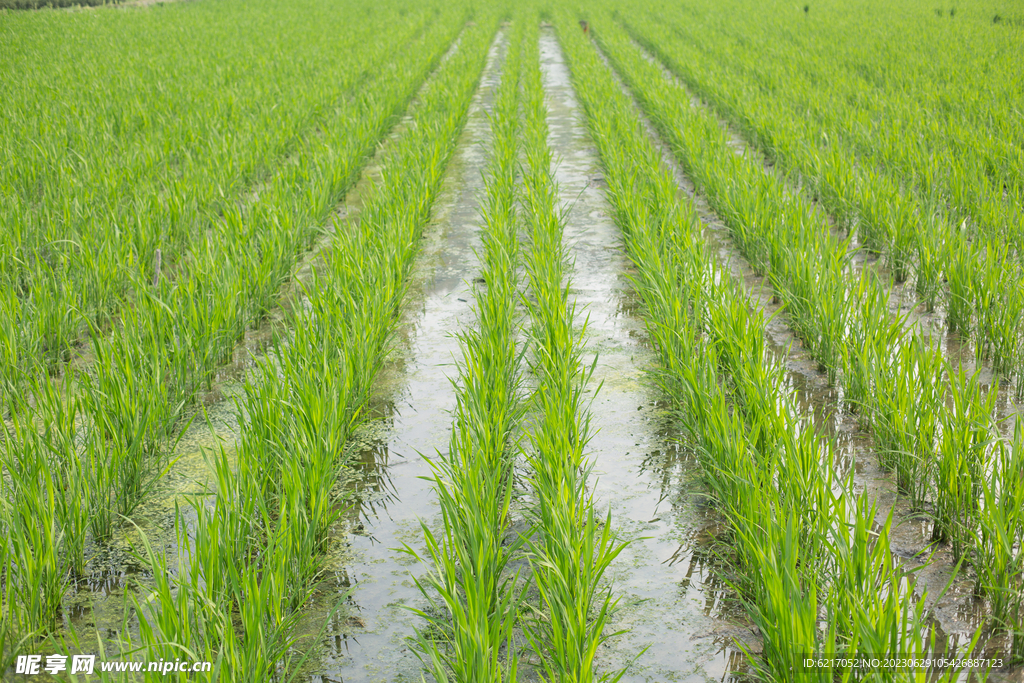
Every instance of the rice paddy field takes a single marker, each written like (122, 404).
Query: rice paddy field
(471, 341)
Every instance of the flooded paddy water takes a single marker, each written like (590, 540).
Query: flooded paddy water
(412, 407)
(679, 625)
(669, 601)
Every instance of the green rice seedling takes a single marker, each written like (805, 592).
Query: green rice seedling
(481, 601)
(224, 609)
(473, 479)
(818, 303)
(999, 308)
(1004, 330)
(874, 227)
(871, 334)
(173, 623)
(784, 609)
(837, 186)
(998, 538)
(858, 558)
(277, 504)
(121, 397)
(928, 283)
(253, 554)
(964, 441)
(35, 574)
(570, 549)
(906, 414)
(901, 226)
(54, 327)
(788, 137)
(10, 349)
(60, 440)
(810, 276)
(11, 639)
(894, 620)
(716, 432)
(832, 321)
(960, 297)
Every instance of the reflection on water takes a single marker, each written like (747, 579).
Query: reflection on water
(672, 599)
(365, 640)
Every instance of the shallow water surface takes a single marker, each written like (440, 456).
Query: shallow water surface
(366, 640)
(668, 599)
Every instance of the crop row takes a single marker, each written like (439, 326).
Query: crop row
(972, 266)
(87, 451)
(940, 450)
(471, 620)
(152, 143)
(257, 552)
(562, 606)
(762, 444)
(570, 547)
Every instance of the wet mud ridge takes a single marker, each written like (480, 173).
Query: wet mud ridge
(668, 597)
(413, 400)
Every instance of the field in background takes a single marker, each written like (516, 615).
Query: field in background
(490, 341)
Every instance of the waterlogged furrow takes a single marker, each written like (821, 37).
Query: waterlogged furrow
(258, 552)
(473, 602)
(570, 547)
(932, 424)
(800, 536)
(639, 475)
(104, 435)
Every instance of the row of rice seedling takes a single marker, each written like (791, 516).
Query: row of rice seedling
(474, 601)
(896, 379)
(88, 450)
(570, 548)
(952, 139)
(149, 145)
(967, 258)
(805, 546)
(257, 552)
